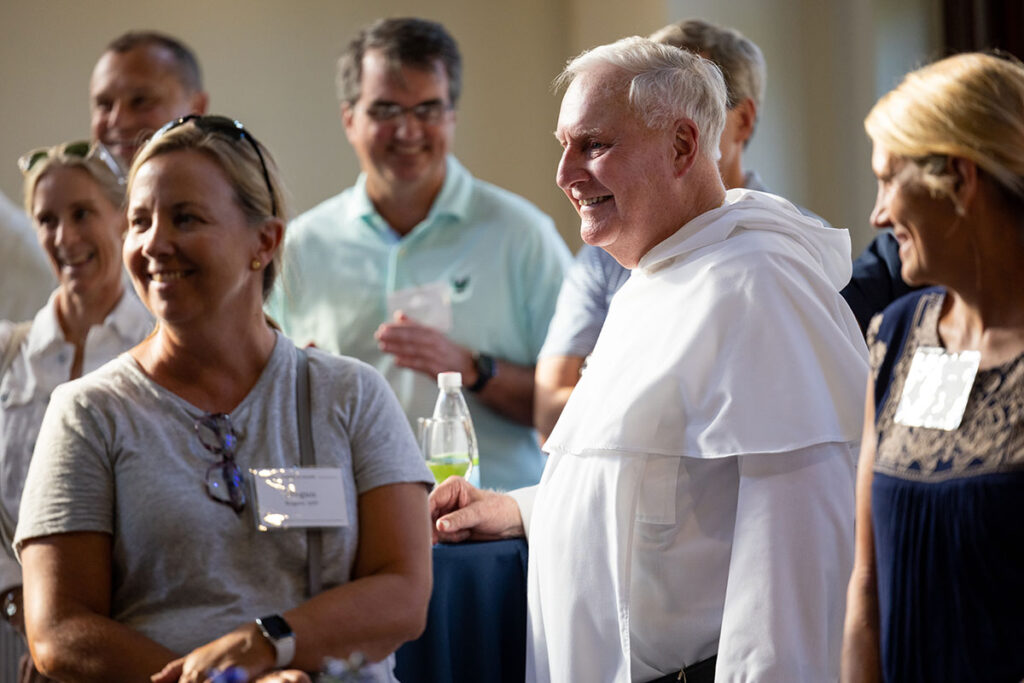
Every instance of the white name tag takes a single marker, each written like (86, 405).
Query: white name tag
(429, 305)
(937, 388)
(299, 497)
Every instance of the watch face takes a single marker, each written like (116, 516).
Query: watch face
(485, 365)
(275, 626)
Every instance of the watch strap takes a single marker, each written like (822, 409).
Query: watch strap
(276, 630)
(486, 368)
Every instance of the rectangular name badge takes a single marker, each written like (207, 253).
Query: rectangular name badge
(429, 305)
(937, 388)
(299, 497)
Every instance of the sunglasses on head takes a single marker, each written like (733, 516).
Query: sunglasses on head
(81, 149)
(230, 128)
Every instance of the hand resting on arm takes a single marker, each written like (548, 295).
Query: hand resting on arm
(67, 596)
(384, 605)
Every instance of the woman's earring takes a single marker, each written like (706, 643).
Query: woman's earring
(255, 265)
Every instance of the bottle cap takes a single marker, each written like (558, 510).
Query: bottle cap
(449, 380)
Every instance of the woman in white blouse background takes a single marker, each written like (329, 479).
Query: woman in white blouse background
(75, 198)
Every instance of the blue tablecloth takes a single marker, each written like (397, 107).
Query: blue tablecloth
(476, 624)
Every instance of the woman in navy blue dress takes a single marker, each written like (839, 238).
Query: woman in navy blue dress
(937, 591)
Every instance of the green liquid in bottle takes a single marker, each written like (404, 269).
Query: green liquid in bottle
(449, 465)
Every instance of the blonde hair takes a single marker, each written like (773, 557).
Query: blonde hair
(970, 106)
(240, 163)
(65, 156)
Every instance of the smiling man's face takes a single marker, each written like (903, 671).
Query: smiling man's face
(133, 93)
(616, 171)
(406, 151)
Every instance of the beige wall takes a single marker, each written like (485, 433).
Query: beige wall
(270, 63)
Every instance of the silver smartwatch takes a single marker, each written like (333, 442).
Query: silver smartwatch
(279, 633)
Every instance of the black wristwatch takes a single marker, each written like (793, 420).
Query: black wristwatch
(486, 368)
(279, 633)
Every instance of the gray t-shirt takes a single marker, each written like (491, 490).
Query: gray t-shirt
(119, 454)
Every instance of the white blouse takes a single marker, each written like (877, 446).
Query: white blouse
(44, 362)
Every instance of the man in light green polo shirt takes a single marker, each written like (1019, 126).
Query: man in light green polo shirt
(419, 268)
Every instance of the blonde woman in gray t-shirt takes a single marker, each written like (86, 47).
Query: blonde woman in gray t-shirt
(140, 535)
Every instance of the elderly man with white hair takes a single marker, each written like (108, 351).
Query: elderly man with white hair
(698, 499)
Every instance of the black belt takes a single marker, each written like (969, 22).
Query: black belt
(701, 672)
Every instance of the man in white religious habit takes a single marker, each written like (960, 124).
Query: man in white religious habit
(696, 511)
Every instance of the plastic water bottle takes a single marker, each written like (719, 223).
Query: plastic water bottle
(450, 442)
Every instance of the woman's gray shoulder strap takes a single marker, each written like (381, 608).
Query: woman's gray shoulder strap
(307, 458)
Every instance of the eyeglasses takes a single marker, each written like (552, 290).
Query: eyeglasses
(81, 149)
(230, 128)
(225, 483)
(426, 112)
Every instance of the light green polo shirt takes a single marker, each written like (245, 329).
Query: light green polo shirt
(500, 257)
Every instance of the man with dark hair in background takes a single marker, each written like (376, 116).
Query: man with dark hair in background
(420, 268)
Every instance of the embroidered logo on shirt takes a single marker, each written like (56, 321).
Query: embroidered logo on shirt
(462, 288)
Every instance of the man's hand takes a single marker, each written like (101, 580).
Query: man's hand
(424, 349)
(460, 512)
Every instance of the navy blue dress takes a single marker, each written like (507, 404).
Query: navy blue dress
(947, 509)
